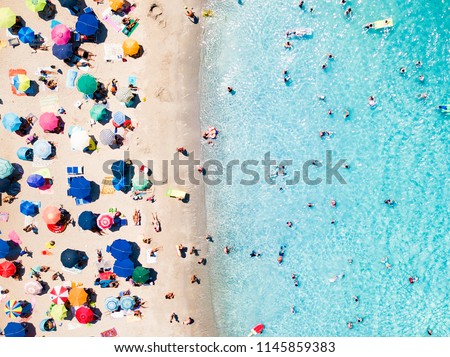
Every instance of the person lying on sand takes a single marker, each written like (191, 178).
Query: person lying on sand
(155, 222)
(137, 217)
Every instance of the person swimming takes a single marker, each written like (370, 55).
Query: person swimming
(289, 224)
(418, 64)
(280, 255)
(288, 45)
(389, 202)
(333, 203)
(355, 298)
(368, 25)
(421, 78)
(255, 254)
(292, 309)
(286, 76)
(321, 97)
(372, 101)
(403, 70)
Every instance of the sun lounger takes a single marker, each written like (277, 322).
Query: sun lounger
(83, 201)
(75, 170)
(181, 195)
(381, 24)
(71, 76)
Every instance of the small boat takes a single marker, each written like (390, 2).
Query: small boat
(301, 32)
(380, 24)
(257, 330)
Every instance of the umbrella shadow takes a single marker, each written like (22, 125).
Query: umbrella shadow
(134, 102)
(136, 251)
(97, 313)
(153, 275)
(14, 189)
(45, 287)
(49, 12)
(14, 251)
(33, 90)
(30, 330)
(102, 33)
(95, 191)
(106, 119)
(20, 22)
(187, 198)
(17, 173)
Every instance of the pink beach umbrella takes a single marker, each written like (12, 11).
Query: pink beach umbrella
(61, 34)
(59, 295)
(105, 221)
(48, 121)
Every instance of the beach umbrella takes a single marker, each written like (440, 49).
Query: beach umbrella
(7, 269)
(140, 184)
(79, 187)
(58, 312)
(111, 303)
(26, 35)
(13, 308)
(14, 329)
(123, 268)
(21, 82)
(119, 168)
(48, 121)
(42, 149)
(11, 122)
(73, 129)
(119, 184)
(79, 140)
(77, 296)
(119, 118)
(68, 3)
(36, 5)
(70, 257)
(116, 4)
(84, 315)
(6, 169)
(105, 221)
(126, 302)
(59, 294)
(35, 181)
(87, 24)
(87, 220)
(4, 248)
(51, 215)
(63, 52)
(124, 95)
(87, 84)
(130, 47)
(7, 17)
(28, 208)
(120, 249)
(61, 34)
(140, 275)
(107, 137)
(33, 287)
(98, 112)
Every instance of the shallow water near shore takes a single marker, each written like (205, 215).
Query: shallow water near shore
(398, 150)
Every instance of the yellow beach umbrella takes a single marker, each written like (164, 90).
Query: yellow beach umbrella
(130, 47)
(36, 5)
(7, 17)
(116, 4)
(21, 82)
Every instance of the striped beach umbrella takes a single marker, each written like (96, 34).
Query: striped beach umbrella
(61, 34)
(6, 169)
(36, 5)
(26, 35)
(7, 17)
(130, 47)
(105, 221)
(87, 84)
(107, 137)
(59, 295)
(11, 122)
(21, 82)
(126, 302)
(33, 287)
(13, 308)
(111, 303)
(84, 315)
(42, 149)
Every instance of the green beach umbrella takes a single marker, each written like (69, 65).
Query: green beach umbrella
(140, 275)
(98, 112)
(7, 17)
(58, 312)
(140, 184)
(87, 84)
(36, 5)
(6, 169)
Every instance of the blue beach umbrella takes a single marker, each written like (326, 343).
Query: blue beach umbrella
(6, 169)
(63, 51)
(14, 329)
(118, 168)
(123, 268)
(120, 249)
(119, 118)
(79, 187)
(11, 122)
(70, 257)
(4, 249)
(126, 302)
(26, 35)
(42, 149)
(87, 220)
(28, 208)
(111, 303)
(35, 181)
(87, 24)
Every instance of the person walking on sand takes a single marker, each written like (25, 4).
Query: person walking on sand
(174, 316)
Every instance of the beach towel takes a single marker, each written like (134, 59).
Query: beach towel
(49, 103)
(4, 216)
(71, 76)
(107, 186)
(113, 20)
(127, 32)
(12, 73)
(113, 52)
(109, 333)
(151, 258)
(132, 80)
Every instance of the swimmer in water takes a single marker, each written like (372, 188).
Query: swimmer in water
(289, 224)
(280, 255)
(292, 309)
(421, 78)
(423, 96)
(288, 45)
(330, 112)
(348, 12)
(418, 64)
(346, 114)
(359, 319)
(310, 205)
(286, 77)
(333, 203)
(372, 101)
(403, 70)
(355, 298)
(350, 324)
(350, 261)
(321, 97)
(301, 4)
(254, 254)
(324, 66)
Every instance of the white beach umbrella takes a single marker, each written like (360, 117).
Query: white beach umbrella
(79, 140)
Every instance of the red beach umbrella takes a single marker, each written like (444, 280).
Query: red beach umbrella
(59, 294)
(84, 315)
(7, 269)
(61, 34)
(105, 221)
(48, 121)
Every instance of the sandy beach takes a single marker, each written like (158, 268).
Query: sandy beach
(166, 118)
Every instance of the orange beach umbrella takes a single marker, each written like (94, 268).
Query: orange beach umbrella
(116, 4)
(77, 296)
(130, 47)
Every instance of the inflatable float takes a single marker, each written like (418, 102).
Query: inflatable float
(380, 24)
(302, 32)
(257, 330)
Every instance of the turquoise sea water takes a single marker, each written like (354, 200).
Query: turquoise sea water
(398, 150)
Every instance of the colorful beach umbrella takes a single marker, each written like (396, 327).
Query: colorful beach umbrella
(42, 149)
(26, 35)
(13, 308)
(33, 287)
(79, 140)
(11, 122)
(4, 248)
(130, 47)
(105, 221)
(140, 183)
(7, 17)
(111, 303)
(140, 275)
(126, 302)
(84, 315)
(58, 312)
(87, 84)
(116, 4)
(59, 295)
(79, 187)
(21, 82)
(35, 181)
(36, 5)
(61, 34)
(51, 215)
(124, 95)
(7, 269)
(87, 24)
(77, 296)
(28, 208)
(107, 137)
(120, 249)
(119, 118)
(98, 112)
(48, 121)
(63, 52)
(87, 220)
(71, 257)
(14, 329)
(6, 169)
(123, 268)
